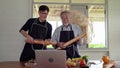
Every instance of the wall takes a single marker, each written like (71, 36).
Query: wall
(14, 13)
(114, 31)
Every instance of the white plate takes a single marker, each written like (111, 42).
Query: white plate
(96, 64)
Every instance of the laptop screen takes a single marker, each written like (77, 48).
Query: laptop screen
(50, 58)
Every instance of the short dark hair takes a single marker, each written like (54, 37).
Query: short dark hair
(43, 8)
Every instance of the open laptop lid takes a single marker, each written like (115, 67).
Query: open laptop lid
(50, 58)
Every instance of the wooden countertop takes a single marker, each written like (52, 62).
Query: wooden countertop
(16, 64)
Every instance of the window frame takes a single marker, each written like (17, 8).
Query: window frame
(85, 48)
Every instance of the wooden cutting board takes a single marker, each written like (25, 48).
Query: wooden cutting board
(110, 64)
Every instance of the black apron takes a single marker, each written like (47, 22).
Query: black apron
(65, 36)
(37, 31)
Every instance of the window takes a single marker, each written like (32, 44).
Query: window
(94, 9)
(97, 15)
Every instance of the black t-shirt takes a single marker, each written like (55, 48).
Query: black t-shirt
(27, 26)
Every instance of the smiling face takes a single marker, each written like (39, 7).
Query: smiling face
(43, 15)
(65, 18)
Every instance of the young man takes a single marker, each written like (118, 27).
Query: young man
(66, 32)
(38, 28)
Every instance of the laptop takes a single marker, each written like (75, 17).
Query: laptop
(50, 58)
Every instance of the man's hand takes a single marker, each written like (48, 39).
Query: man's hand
(60, 44)
(29, 39)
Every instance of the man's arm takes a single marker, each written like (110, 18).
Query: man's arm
(29, 39)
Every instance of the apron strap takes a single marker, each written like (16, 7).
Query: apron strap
(40, 28)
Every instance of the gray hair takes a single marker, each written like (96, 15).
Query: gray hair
(67, 12)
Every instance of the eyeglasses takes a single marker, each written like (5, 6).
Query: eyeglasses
(43, 13)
